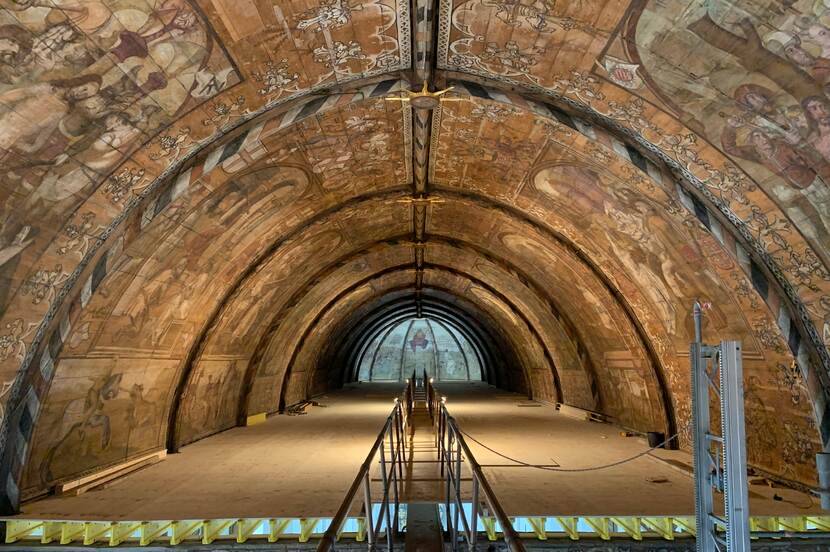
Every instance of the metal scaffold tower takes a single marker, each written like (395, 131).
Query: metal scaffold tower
(720, 459)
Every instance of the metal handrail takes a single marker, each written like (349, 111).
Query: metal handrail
(451, 446)
(395, 428)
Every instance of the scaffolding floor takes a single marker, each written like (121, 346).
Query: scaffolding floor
(287, 466)
(301, 466)
(657, 484)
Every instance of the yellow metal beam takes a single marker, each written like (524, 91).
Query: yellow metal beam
(538, 524)
(361, 529)
(797, 524)
(51, 531)
(71, 531)
(122, 531)
(663, 526)
(183, 529)
(307, 526)
(766, 523)
(631, 525)
(19, 529)
(822, 523)
(276, 527)
(212, 528)
(245, 528)
(600, 525)
(687, 524)
(152, 530)
(95, 533)
(570, 526)
(94, 530)
(489, 527)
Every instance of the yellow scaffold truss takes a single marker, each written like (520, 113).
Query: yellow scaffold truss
(169, 532)
(637, 528)
(144, 533)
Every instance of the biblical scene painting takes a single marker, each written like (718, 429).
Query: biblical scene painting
(106, 412)
(83, 84)
(417, 346)
(756, 88)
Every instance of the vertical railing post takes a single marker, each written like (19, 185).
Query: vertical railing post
(398, 460)
(367, 499)
(474, 518)
(385, 502)
(395, 480)
(442, 451)
(457, 485)
(447, 456)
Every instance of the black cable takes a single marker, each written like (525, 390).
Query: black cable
(547, 468)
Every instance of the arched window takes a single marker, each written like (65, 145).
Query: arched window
(418, 345)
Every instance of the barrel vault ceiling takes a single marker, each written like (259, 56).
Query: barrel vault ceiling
(206, 204)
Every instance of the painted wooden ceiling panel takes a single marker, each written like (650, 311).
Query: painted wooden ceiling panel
(163, 158)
